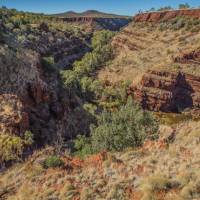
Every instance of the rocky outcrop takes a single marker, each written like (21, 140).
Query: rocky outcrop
(32, 95)
(33, 99)
(192, 57)
(64, 47)
(113, 24)
(168, 92)
(166, 15)
(13, 116)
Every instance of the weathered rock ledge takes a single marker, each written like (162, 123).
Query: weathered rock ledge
(168, 92)
(166, 15)
(113, 24)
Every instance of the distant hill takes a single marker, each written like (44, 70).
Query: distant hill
(89, 13)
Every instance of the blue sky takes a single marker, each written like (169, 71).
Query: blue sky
(126, 7)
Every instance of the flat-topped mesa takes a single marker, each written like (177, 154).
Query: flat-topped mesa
(113, 24)
(166, 15)
(168, 92)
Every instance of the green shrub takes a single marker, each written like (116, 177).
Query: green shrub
(180, 23)
(11, 148)
(184, 6)
(48, 64)
(90, 87)
(114, 96)
(128, 127)
(53, 162)
(70, 79)
(165, 8)
(102, 38)
(83, 146)
(116, 131)
(28, 138)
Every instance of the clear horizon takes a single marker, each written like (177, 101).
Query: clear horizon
(126, 7)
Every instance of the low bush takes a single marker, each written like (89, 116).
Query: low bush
(53, 162)
(48, 64)
(28, 138)
(180, 22)
(70, 79)
(12, 147)
(83, 146)
(116, 131)
(101, 38)
(127, 127)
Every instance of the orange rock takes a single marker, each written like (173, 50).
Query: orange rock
(166, 15)
(13, 117)
(168, 92)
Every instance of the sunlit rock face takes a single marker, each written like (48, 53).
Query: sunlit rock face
(166, 15)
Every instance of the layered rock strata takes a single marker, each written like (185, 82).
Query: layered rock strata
(166, 15)
(168, 92)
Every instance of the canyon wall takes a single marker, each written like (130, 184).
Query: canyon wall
(31, 93)
(166, 15)
(167, 91)
(113, 24)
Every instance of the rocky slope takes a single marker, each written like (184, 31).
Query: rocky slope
(31, 93)
(99, 23)
(166, 15)
(135, 174)
(168, 92)
(162, 62)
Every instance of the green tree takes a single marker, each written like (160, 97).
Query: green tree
(11, 147)
(102, 38)
(53, 162)
(184, 6)
(165, 8)
(80, 77)
(48, 64)
(128, 127)
(70, 79)
(28, 138)
(83, 147)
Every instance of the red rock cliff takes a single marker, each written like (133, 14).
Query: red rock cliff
(168, 92)
(166, 15)
(113, 24)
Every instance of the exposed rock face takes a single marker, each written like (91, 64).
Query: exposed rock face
(166, 15)
(13, 116)
(22, 89)
(188, 57)
(32, 96)
(63, 46)
(113, 24)
(33, 99)
(168, 92)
